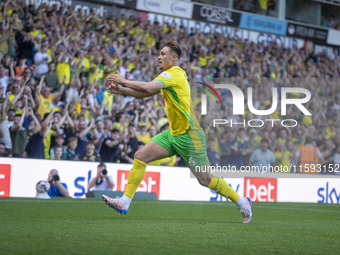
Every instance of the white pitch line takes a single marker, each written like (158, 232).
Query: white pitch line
(300, 208)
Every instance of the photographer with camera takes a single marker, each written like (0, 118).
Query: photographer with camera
(102, 181)
(57, 189)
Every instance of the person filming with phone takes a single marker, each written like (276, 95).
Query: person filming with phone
(102, 181)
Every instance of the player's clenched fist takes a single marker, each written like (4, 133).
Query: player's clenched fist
(112, 87)
(116, 78)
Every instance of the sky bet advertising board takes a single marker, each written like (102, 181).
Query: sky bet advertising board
(14, 182)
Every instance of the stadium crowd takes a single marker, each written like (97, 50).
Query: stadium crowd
(54, 104)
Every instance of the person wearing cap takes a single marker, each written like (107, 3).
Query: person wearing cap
(102, 181)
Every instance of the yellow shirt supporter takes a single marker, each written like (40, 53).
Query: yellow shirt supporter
(64, 69)
(143, 138)
(285, 162)
(45, 105)
(178, 106)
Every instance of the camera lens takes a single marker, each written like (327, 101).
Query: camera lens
(104, 172)
(56, 177)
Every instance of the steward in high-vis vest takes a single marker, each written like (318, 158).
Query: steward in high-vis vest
(20, 68)
(309, 158)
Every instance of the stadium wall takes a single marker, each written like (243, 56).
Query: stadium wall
(18, 178)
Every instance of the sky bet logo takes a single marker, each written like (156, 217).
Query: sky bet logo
(239, 101)
(328, 194)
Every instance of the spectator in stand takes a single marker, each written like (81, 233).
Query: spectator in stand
(90, 154)
(309, 156)
(4, 81)
(41, 59)
(282, 156)
(3, 152)
(212, 154)
(51, 78)
(239, 149)
(112, 147)
(44, 98)
(131, 144)
(99, 134)
(262, 158)
(70, 152)
(18, 135)
(25, 43)
(35, 146)
(225, 145)
(59, 141)
(83, 134)
(7, 121)
(21, 67)
(143, 135)
(57, 152)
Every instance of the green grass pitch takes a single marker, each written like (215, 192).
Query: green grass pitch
(89, 226)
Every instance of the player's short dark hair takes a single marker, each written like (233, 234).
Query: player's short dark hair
(174, 46)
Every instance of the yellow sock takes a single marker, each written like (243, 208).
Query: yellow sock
(221, 187)
(135, 177)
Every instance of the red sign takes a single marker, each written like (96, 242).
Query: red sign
(150, 183)
(261, 189)
(5, 180)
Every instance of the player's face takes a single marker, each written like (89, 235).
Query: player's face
(165, 58)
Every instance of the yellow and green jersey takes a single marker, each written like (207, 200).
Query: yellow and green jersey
(177, 99)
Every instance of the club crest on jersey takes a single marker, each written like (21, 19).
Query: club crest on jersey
(166, 75)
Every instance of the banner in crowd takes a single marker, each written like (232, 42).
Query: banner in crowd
(314, 34)
(263, 24)
(232, 32)
(170, 7)
(215, 14)
(18, 178)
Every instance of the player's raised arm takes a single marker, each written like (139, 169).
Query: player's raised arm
(139, 86)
